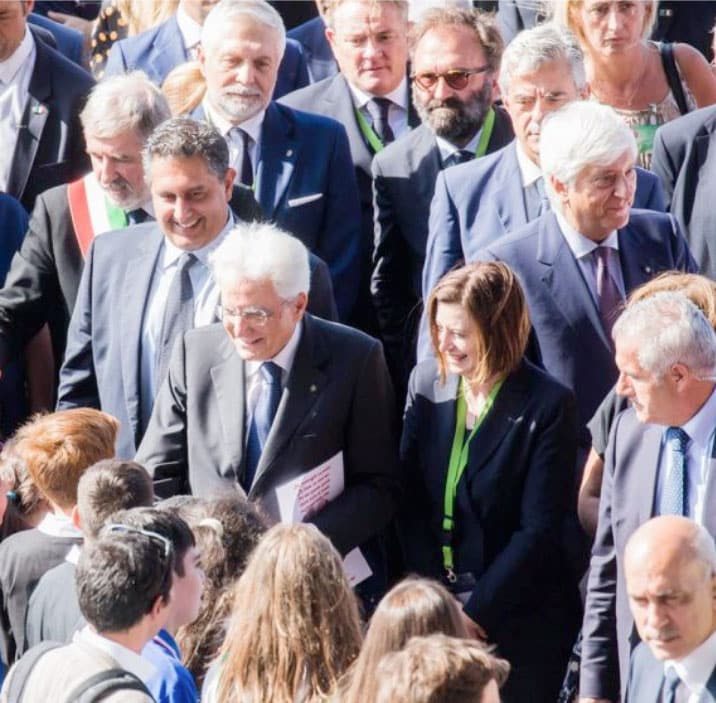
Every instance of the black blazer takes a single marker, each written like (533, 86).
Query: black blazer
(509, 514)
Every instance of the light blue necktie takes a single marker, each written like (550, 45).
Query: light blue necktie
(262, 419)
(671, 683)
(674, 487)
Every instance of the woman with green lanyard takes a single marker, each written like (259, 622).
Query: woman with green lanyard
(488, 452)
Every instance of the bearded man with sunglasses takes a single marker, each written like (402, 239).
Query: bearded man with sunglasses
(456, 54)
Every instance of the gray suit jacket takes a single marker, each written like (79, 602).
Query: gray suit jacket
(338, 397)
(627, 501)
(102, 358)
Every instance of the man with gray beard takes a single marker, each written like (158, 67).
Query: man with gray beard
(456, 54)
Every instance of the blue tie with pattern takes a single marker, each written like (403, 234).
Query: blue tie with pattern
(674, 487)
(262, 419)
(671, 683)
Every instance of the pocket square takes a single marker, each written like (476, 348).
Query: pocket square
(295, 202)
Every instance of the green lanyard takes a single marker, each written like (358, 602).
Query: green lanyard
(115, 215)
(456, 468)
(374, 140)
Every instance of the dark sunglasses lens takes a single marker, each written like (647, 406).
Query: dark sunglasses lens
(457, 80)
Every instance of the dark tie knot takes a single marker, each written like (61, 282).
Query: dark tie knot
(671, 683)
(381, 107)
(461, 156)
(187, 260)
(271, 372)
(677, 438)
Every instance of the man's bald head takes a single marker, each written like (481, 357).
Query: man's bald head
(669, 564)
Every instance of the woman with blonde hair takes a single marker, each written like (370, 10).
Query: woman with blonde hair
(295, 627)
(412, 608)
(646, 82)
(488, 452)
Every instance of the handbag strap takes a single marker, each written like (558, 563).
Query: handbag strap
(666, 51)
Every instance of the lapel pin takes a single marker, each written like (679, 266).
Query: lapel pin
(647, 269)
(313, 389)
(39, 110)
(289, 152)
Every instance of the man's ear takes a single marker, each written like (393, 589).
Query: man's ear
(679, 373)
(75, 518)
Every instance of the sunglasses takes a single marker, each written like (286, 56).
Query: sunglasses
(161, 539)
(456, 78)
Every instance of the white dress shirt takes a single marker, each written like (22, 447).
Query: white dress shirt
(255, 383)
(398, 112)
(190, 33)
(447, 149)
(128, 660)
(582, 248)
(529, 170)
(58, 525)
(252, 127)
(700, 429)
(15, 74)
(695, 670)
(206, 298)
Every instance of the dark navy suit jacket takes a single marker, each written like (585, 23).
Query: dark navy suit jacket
(305, 184)
(646, 678)
(478, 202)
(70, 42)
(509, 515)
(311, 36)
(102, 360)
(158, 50)
(50, 147)
(570, 342)
(686, 163)
(404, 176)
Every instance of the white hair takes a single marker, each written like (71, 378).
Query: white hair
(260, 251)
(532, 48)
(580, 134)
(669, 329)
(129, 101)
(227, 10)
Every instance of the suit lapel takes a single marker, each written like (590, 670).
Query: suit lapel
(137, 282)
(229, 383)
(510, 200)
(636, 258)
(565, 283)
(711, 683)
(279, 150)
(304, 387)
(167, 50)
(33, 121)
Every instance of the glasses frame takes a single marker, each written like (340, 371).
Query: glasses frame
(223, 313)
(454, 74)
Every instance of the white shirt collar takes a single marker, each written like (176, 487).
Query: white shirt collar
(127, 659)
(701, 425)
(252, 126)
(447, 148)
(529, 170)
(190, 30)
(11, 65)
(284, 358)
(580, 245)
(55, 525)
(695, 668)
(173, 252)
(73, 556)
(398, 97)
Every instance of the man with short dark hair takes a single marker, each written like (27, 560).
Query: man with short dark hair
(121, 619)
(144, 285)
(107, 487)
(456, 54)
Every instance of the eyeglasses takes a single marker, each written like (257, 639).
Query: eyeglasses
(119, 527)
(256, 317)
(456, 78)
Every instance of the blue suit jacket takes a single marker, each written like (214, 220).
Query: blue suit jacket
(478, 202)
(305, 184)
(646, 678)
(320, 61)
(685, 160)
(158, 50)
(510, 507)
(70, 42)
(50, 147)
(570, 342)
(102, 358)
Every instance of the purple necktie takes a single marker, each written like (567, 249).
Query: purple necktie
(608, 295)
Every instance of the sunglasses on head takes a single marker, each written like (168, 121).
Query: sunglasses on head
(456, 78)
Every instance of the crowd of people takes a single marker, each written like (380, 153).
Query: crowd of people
(369, 360)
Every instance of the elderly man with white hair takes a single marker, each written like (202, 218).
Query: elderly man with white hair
(299, 165)
(659, 461)
(272, 393)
